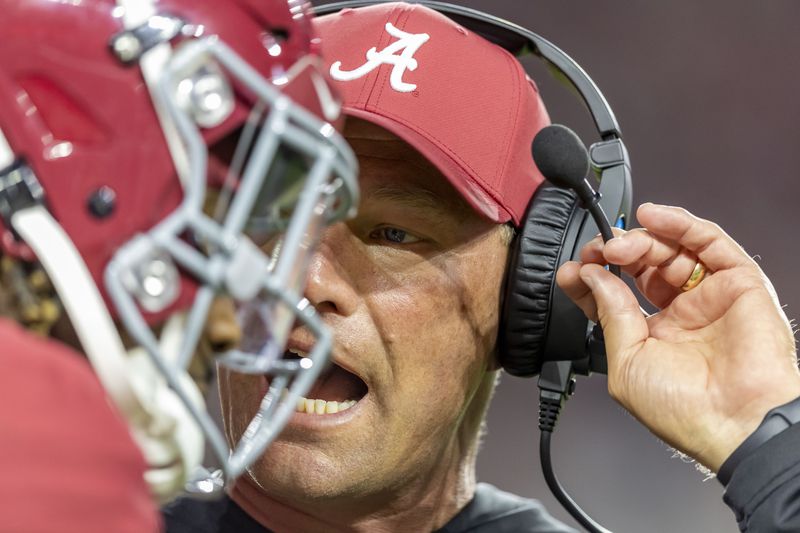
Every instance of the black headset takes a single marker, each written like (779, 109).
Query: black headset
(539, 323)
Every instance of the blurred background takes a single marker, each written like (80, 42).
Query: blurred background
(704, 93)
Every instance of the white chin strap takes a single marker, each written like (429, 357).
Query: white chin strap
(160, 424)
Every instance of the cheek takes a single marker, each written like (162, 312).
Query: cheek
(417, 313)
(457, 299)
(438, 324)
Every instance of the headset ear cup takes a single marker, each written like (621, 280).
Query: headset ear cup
(530, 279)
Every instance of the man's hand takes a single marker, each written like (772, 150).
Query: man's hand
(703, 372)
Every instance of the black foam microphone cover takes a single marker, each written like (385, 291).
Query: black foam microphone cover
(561, 156)
(563, 160)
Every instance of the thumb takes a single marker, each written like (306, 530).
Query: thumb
(624, 326)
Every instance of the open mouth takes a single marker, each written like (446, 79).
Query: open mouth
(335, 390)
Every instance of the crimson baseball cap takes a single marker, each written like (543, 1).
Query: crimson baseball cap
(464, 103)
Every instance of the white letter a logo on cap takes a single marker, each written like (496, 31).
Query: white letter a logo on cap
(409, 43)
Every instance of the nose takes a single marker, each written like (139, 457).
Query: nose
(330, 287)
(222, 329)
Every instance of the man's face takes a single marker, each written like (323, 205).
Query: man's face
(410, 289)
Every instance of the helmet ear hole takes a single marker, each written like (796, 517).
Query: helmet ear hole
(101, 203)
(280, 34)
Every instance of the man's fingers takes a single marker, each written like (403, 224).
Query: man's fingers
(592, 251)
(655, 288)
(624, 325)
(703, 238)
(639, 245)
(638, 250)
(568, 278)
(670, 239)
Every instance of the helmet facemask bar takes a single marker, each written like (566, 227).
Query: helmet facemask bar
(229, 262)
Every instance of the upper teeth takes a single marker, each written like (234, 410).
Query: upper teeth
(321, 407)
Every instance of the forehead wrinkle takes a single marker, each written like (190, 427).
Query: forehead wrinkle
(413, 193)
(409, 196)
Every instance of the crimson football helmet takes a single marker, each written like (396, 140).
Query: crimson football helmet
(154, 155)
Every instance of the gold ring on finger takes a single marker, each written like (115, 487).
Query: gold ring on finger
(698, 274)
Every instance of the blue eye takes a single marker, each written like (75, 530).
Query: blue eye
(394, 236)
